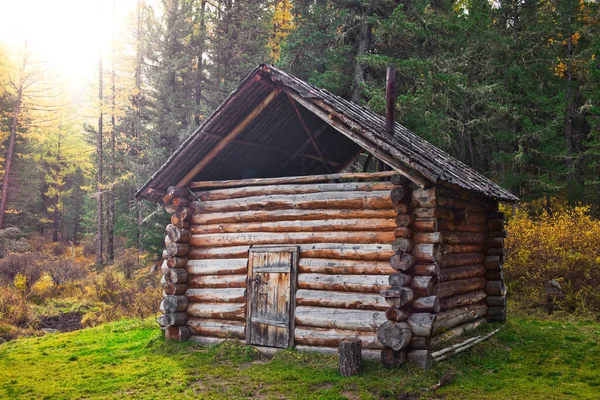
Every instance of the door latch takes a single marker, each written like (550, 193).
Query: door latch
(257, 279)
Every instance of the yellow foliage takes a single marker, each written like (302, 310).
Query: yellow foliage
(563, 246)
(282, 25)
(20, 282)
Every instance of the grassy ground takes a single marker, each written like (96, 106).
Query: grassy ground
(529, 358)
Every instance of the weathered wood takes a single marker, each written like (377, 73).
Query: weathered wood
(172, 304)
(445, 225)
(422, 213)
(399, 180)
(255, 238)
(176, 262)
(495, 224)
(217, 328)
(420, 358)
(449, 319)
(177, 249)
(180, 202)
(333, 351)
(423, 198)
(341, 318)
(404, 219)
(217, 281)
(461, 248)
(423, 286)
(233, 266)
(401, 208)
(420, 343)
(496, 314)
(396, 335)
(495, 288)
(402, 244)
(288, 215)
(176, 221)
(425, 225)
(228, 311)
(493, 263)
(424, 238)
(496, 301)
(421, 324)
(329, 200)
(173, 319)
(391, 358)
(176, 234)
(398, 279)
(426, 253)
(495, 242)
(451, 288)
(329, 266)
(501, 234)
(427, 269)
(401, 261)
(177, 333)
(456, 332)
(206, 341)
(397, 314)
(496, 215)
(447, 201)
(463, 346)
(167, 240)
(350, 357)
(311, 336)
(458, 273)
(352, 300)
(461, 300)
(398, 297)
(324, 225)
(495, 252)
(450, 237)
(174, 289)
(459, 260)
(474, 217)
(251, 191)
(428, 304)
(227, 295)
(343, 283)
(494, 275)
(403, 232)
(401, 194)
(176, 275)
(291, 179)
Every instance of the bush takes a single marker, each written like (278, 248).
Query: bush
(554, 260)
(14, 308)
(26, 264)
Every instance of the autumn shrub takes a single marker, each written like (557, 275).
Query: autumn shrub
(555, 259)
(14, 307)
(28, 265)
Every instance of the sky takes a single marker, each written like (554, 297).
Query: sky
(66, 33)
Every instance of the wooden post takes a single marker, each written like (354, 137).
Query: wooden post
(350, 357)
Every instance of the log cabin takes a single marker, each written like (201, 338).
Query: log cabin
(278, 240)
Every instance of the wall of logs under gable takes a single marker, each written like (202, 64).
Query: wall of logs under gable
(344, 232)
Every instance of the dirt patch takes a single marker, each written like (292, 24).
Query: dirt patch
(64, 322)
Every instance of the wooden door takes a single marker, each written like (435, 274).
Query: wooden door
(271, 289)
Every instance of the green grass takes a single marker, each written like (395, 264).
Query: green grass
(529, 358)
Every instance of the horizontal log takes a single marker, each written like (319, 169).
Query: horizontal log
(179, 222)
(448, 201)
(397, 314)
(451, 288)
(426, 304)
(461, 300)
(458, 273)
(496, 314)
(449, 319)
(177, 249)
(427, 269)
(228, 311)
(333, 351)
(177, 333)
(217, 281)
(403, 232)
(287, 215)
(495, 242)
(404, 219)
(425, 225)
(426, 253)
(291, 179)
(206, 341)
(423, 198)
(423, 286)
(398, 279)
(232, 266)
(391, 358)
(501, 234)
(459, 260)
(180, 202)
(493, 263)
(396, 335)
(474, 217)
(455, 332)
(219, 253)
(494, 275)
(176, 262)
(343, 283)
(400, 180)
(227, 295)
(237, 239)
(324, 225)
(340, 318)
(252, 191)
(173, 319)
(176, 234)
(420, 343)
(402, 261)
(172, 304)
(217, 328)
(329, 200)
(398, 296)
(424, 238)
(357, 301)
(402, 244)
(350, 267)
(167, 241)
(421, 324)
(495, 215)
(174, 288)
(311, 336)
(401, 208)
(495, 288)
(496, 301)
(449, 237)
(401, 194)
(445, 225)
(420, 358)
(425, 212)
(176, 275)
(461, 248)
(495, 224)
(495, 252)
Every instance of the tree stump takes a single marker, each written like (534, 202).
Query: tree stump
(350, 357)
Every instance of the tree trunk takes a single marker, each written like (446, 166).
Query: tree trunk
(359, 68)
(99, 151)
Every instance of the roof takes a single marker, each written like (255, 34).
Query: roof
(260, 130)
